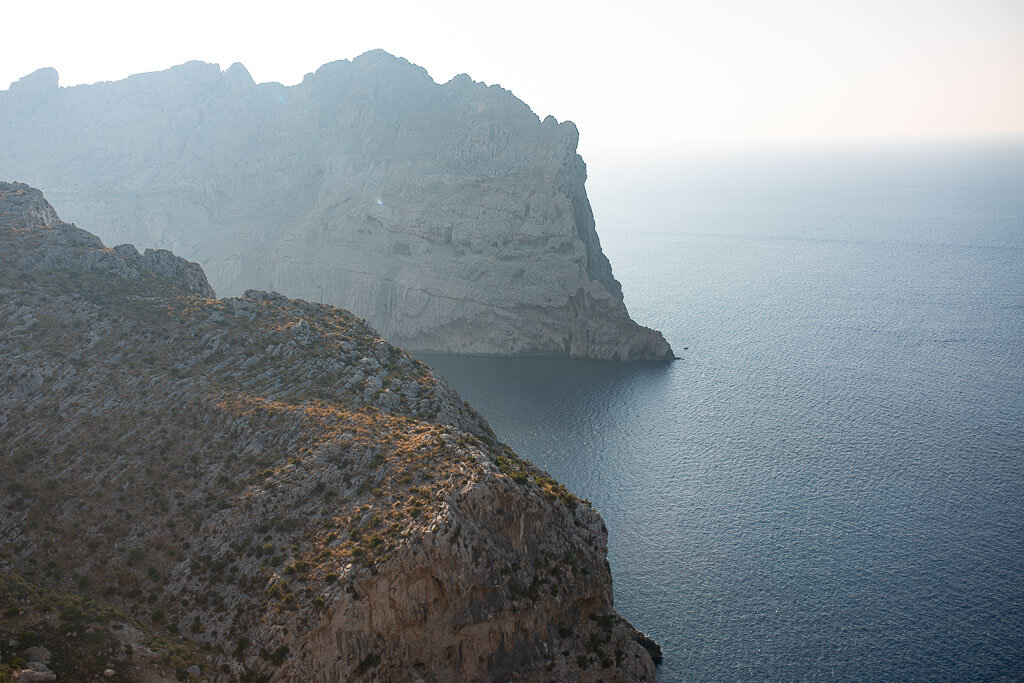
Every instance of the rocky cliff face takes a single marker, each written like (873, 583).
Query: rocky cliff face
(449, 216)
(261, 488)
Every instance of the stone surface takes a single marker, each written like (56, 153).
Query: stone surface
(38, 654)
(449, 216)
(33, 675)
(267, 482)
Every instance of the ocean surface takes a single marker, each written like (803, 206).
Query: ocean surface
(829, 483)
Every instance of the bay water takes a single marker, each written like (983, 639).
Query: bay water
(829, 482)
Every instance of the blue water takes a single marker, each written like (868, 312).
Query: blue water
(830, 483)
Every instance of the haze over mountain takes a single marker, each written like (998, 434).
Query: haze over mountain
(449, 216)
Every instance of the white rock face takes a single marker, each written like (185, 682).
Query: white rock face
(449, 216)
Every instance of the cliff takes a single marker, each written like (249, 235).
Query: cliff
(261, 488)
(449, 216)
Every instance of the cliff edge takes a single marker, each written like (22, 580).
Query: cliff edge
(449, 216)
(261, 488)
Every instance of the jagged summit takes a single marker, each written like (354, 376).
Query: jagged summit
(383, 59)
(41, 241)
(22, 206)
(449, 216)
(261, 488)
(39, 81)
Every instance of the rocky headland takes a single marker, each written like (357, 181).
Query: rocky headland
(262, 488)
(449, 216)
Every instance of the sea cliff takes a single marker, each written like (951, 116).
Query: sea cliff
(449, 216)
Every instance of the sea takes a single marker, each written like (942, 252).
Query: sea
(828, 484)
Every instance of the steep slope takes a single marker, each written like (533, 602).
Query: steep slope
(268, 489)
(449, 216)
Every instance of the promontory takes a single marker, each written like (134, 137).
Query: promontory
(449, 216)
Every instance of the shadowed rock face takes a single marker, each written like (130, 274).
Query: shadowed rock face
(449, 216)
(263, 487)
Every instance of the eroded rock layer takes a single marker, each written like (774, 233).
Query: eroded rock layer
(262, 488)
(449, 216)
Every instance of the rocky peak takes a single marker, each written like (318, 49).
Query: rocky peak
(22, 206)
(58, 244)
(239, 76)
(40, 81)
(378, 58)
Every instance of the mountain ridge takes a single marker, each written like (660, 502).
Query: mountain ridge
(261, 488)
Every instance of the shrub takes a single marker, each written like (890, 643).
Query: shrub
(277, 656)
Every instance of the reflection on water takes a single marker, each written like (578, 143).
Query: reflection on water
(552, 397)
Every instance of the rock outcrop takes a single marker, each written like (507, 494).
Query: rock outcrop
(59, 246)
(449, 216)
(262, 488)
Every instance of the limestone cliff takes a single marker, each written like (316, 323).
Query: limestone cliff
(449, 216)
(261, 488)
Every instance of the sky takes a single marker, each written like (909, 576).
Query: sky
(636, 77)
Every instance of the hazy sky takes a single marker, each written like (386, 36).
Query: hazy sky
(633, 75)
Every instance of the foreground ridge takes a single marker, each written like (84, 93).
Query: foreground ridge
(261, 488)
(450, 216)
